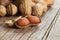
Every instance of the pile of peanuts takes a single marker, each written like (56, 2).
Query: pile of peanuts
(30, 10)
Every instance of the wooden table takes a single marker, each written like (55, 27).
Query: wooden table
(49, 29)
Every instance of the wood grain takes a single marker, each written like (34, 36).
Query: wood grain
(44, 25)
(50, 27)
(55, 31)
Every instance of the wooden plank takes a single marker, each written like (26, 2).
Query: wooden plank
(55, 31)
(9, 33)
(49, 16)
(27, 34)
(33, 36)
(50, 27)
(13, 33)
(3, 31)
(19, 35)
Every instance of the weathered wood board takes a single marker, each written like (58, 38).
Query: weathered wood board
(55, 31)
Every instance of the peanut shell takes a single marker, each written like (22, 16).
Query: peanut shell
(4, 2)
(12, 9)
(2, 10)
(25, 7)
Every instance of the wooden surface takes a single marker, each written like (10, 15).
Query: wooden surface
(49, 29)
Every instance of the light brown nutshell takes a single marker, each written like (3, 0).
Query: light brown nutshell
(38, 9)
(4, 2)
(25, 7)
(2, 10)
(12, 9)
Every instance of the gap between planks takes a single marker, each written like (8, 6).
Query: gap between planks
(51, 25)
(55, 31)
